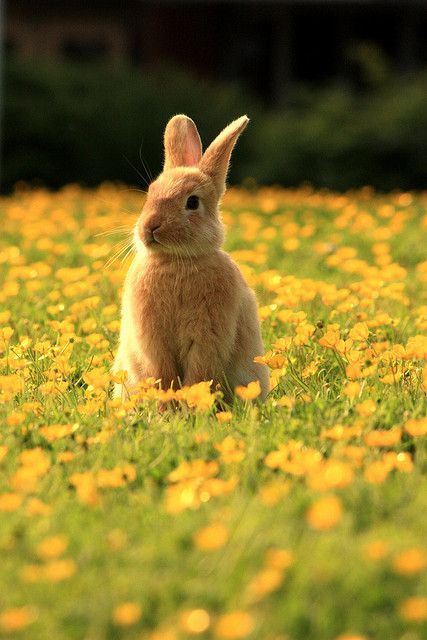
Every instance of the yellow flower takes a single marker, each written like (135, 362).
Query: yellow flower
(291, 244)
(366, 408)
(340, 432)
(331, 474)
(352, 390)
(120, 377)
(353, 371)
(401, 461)
(236, 624)
(42, 346)
(194, 469)
(24, 480)
(98, 378)
(303, 334)
(416, 347)
(59, 570)
(86, 488)
(383, 438)
(285, 401)
(65, 456)
(250, 392)
(325, 513)
(410, 561)
(224, 416)
(376, 472)
(283, 344)
(414, 609)
(127, 614)
(277, 558)
(116, 477)
(344, 346)
(265, 582)
(54, 432)
(35, 459)
(5, 335)
(353, 453)
(376, 550)
(54, 387)
(10, 386)
(416, 427)
(212, 537)
(198, 396)
(15, 418)
(195, 621)
(36, 507)
(330, 339)
(5, 316)
(189, 494)
(310, 369)
(35, 408)
(231, 450)
(360, 331)
(271, 492)
(10, 502)
(18, 618)
(52, 547)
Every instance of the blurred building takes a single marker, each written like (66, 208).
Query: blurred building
(266, 45)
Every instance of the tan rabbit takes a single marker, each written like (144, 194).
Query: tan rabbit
(187, 313)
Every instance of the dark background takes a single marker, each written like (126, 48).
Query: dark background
(336, 91)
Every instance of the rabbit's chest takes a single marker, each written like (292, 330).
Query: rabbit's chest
(163, 305)
(165, 311)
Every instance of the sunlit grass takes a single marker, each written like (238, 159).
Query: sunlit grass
(300, 519)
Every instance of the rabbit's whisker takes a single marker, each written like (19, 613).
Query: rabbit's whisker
(128, 253)
(119, 253)
(135, 169)
(134, 189)
(123, 230)
(145, 165)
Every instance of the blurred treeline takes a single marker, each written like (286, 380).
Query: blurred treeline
(87, 124)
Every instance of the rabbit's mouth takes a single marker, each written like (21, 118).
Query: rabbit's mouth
(154, 245)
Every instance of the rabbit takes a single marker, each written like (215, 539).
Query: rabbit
(187, 313)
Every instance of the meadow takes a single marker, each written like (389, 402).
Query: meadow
(303, 518)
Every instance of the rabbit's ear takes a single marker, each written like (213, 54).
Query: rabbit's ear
(216, 158)
(183, 147)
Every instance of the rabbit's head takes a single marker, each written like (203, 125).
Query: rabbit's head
(180, 215)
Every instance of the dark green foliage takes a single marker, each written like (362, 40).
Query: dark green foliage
(338, 139)
(64, 123)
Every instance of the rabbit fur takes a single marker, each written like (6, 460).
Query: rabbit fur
(187, 313)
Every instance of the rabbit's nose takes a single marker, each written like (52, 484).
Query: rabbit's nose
(150, 231)
(153, 229)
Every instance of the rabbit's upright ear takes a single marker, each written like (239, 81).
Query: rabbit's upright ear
(183, 147)
(216, 158)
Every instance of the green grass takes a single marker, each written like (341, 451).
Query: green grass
(138, 542)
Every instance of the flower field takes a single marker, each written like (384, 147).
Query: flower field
(303, 518)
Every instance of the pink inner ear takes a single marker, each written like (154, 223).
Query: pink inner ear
(183, 147)
(189, 159)
(192, 149)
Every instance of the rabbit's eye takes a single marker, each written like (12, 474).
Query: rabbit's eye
(192, 203)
